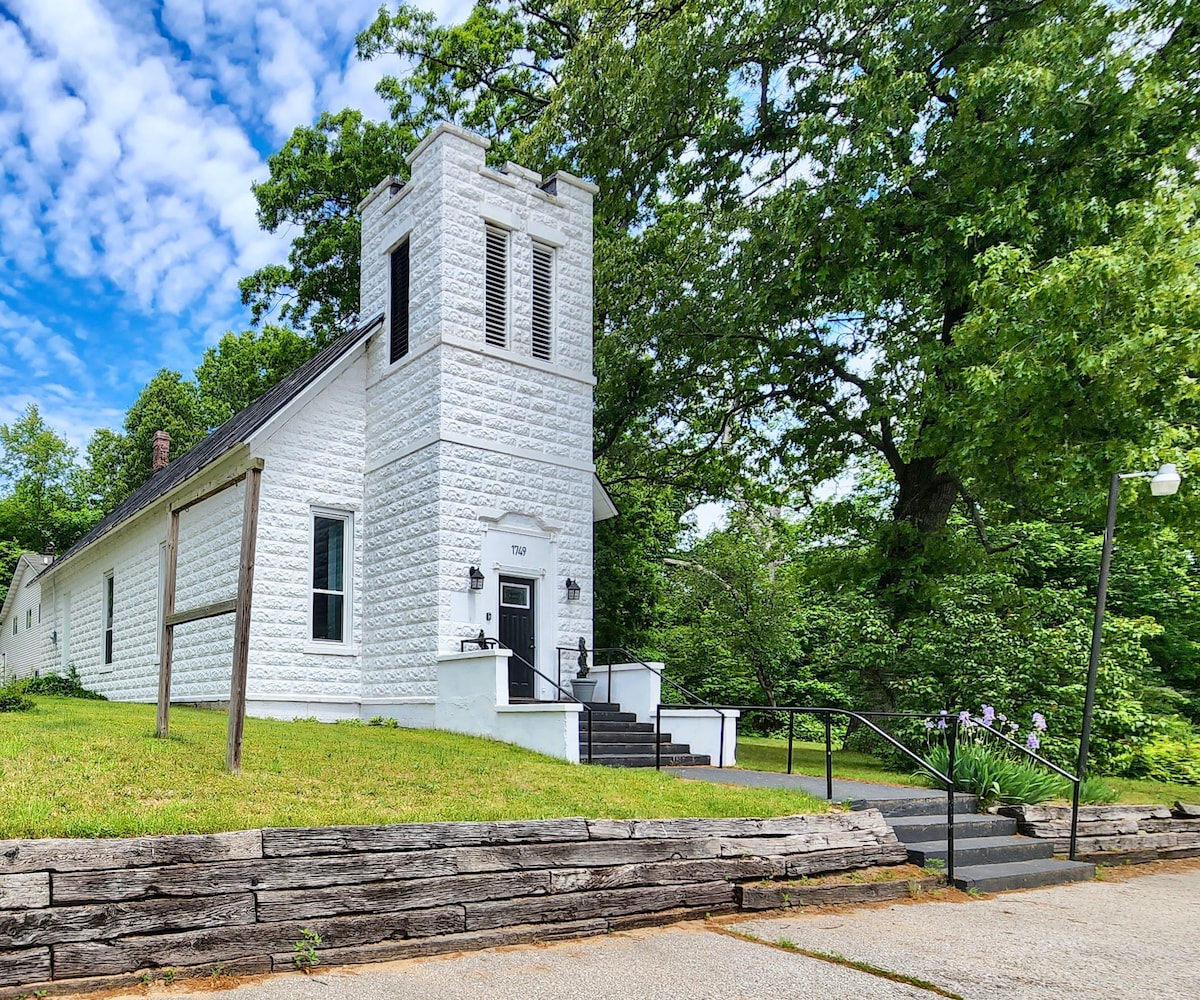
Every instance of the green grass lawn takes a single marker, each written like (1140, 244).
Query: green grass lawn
(73, 768)
(764, 753)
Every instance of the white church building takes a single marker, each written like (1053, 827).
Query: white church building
(425, 481)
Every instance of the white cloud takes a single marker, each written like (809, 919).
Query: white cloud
(130, 135)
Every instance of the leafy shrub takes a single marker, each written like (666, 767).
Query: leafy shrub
(58, 685)
(12, 700)
(1166, 756)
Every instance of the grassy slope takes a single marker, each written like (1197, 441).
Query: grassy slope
(94, 769)
(770, 754)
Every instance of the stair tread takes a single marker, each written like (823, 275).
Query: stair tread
(959, 818)
(966, 843)
(1021, 874)
(928, 805)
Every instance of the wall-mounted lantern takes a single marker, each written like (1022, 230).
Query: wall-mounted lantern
(572, 589)
(476, 578)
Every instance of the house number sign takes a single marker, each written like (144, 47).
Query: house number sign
(518, 550)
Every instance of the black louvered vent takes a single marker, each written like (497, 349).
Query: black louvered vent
(543, 300)
(495, 308)
(399, 302)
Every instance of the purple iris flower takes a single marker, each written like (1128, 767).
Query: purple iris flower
(1032, 741)
(989, 715)
(1039, 722)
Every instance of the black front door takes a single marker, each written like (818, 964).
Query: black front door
(516, 632)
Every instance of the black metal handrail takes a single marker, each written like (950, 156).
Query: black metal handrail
(1075, 780)
(696, 701)
(864, 718)
(488, 642)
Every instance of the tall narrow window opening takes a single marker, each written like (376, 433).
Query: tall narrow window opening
(108, 618)
(330, 558)
(399, 301)
(543, 301)
(495, 305)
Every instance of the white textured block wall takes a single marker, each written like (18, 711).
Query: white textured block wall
(209, 535)
(472, 449)
(22, 649)
(313, 460)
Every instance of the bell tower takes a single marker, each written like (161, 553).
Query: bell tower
(479, 418)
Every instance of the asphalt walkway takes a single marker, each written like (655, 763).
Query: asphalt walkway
(1126, 940)
(855, 791)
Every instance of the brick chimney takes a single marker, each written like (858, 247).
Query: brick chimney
(160, 448)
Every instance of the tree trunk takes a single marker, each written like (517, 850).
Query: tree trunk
(926, 496)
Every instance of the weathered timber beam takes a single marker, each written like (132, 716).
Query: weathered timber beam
(204, 611)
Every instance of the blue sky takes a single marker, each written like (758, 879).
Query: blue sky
(130, 133)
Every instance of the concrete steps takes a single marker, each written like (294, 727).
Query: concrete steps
(1021, 874)
(988, 854)
(619, 740)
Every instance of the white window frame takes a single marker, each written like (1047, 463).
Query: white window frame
(347, 591)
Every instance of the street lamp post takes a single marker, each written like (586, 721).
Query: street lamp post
(1163, 482)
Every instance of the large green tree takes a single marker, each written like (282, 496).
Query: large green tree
(242, 366)
(316, 182)
(955, 242)
(849, 189)
(39, 467)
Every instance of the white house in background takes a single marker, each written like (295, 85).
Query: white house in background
(425, 480)
(21, 635)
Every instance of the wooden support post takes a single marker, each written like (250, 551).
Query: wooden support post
(167, 638)
(241, 626)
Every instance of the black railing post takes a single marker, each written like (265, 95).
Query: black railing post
(791, 738)
(1074, 818)
(951, 740)
(588, 709)
(828, 758)
(721, 751)
(658, 737)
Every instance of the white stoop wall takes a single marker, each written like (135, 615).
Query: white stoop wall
(476, 455)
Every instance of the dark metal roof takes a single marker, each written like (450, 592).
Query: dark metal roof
(236, 430)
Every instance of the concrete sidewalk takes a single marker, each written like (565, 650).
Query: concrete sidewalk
(1127, 940)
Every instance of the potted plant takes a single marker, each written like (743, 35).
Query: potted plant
(583, 686)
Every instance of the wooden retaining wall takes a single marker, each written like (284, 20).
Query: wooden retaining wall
(101, 913)
(1135, 833)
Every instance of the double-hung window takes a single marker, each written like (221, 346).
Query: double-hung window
(331, 568)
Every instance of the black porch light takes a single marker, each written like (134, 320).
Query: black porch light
(572, 589)
(476, 578)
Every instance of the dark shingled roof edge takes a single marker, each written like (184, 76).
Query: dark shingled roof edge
(236, 430)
